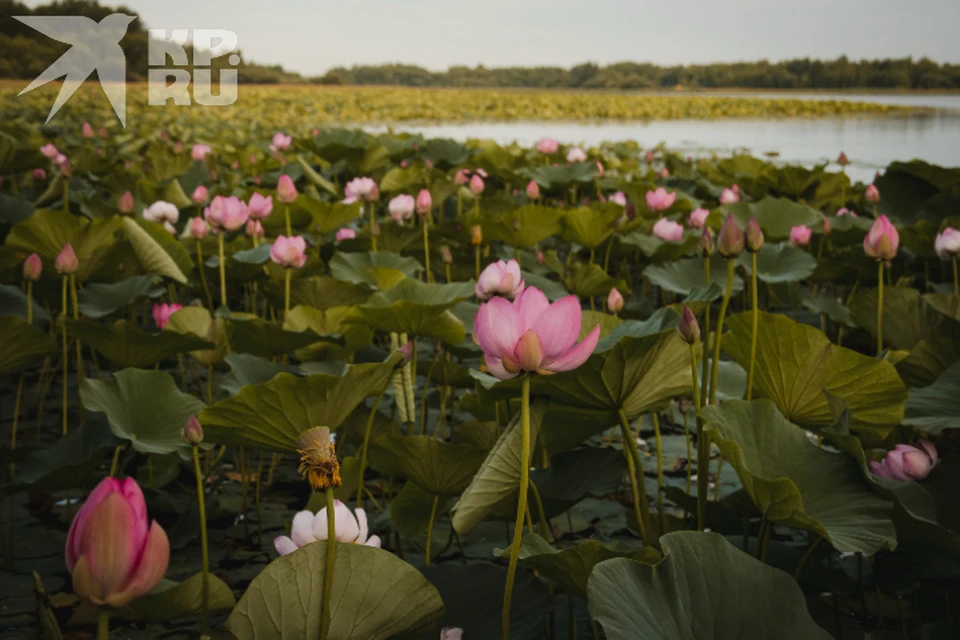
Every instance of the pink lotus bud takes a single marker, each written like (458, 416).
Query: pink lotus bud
(842, 159)
(599, 169)
(199, 151)
(315, 132)
(200, 195)
(500, 278)
(753, 236)
(698, 217)
(705, 246)
(451, 633)
(872, 194)
(193, 431)
(446, 254)
(403, 164)
(401, 207)
(67, 263)
(260, 207)
(476, 185)
(947, 244)
(286, 190)
(86, 130)
(668, 230)
(346, 233)
(114, 553)
(533, 190)
(39, 174)
(162, 313)
(49, 151)
(254, 229)
(800, 236)
(547, 146)
(32, 267)
(843, 211)
(730, 244)
(234, 213)
(729, 196)
(660, 200)
(615, 301)
(125, 203)
(906, 463)
(63, 165)
(407, 351)
(428, 164)
(576, 154)
(689, 328)
(198, 228)
(664, 173)
(540, 258)
(649, 157)
(424, 202)
(461, 177)
(882, 241)
(619, 198)
(826, 227)
(289, 252)
(281, 142)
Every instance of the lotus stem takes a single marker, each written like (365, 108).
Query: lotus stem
(477, 255)
(66, 195)
(328, 571)
(806, 556)
(30, 297)
(717, 339)
(205, 600)
(286, 219)
(656, 431)
(521, 503)
(223, 270)
(705, 336)
(686, 435)
(410, 382)
(541, 513)
(66, 352)
(256, 498)
(366, 443)
(373, 224)
(956, 286)
(426, 247)
(103, 624)
(114, 465)
(446, 267)
(459, 203)
(641, 509)
(76, 316)
(755, 320)
(880, 307)
(287, 276)
(433, 516)
(203, 276)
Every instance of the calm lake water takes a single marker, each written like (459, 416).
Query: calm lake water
(871, 143)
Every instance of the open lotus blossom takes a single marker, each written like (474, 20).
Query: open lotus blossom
(698, 217)
(729, 196)
(843, 211)
(882, 241)
(351, 528)
(259, 206)
(619, 198)
(49, 151)
(548, 146)
(533, 190)
(906, 463)
(462, 176)
(32, 267)
(254, 229)
(668, 230)
(125, 203)
(227, 213)
(476, 184)
(113, 552)
(346, 233)
(576, 154)
(286, 190)
(401, 207)
(947, 244)
(424, 202)
(164, 213)
(162, 313)
(615, 300)
(800, 236)
(451, 633)
(289, 252)
(66, 262)
(280, 142)
(532, 335)
(200, 151)
(872, 194)
(197, 228)
(361, 189)
(500, 279)
(660, 200)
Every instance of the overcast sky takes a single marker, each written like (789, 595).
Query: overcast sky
(311, 36)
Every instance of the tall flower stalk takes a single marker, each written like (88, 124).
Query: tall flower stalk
(730, 244)
(754, 242)
(690, 332)
(193, 435)
(66, 265)
(881, 243)
(705, 248)
(521, 504)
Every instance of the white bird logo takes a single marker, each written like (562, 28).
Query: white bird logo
(95, 47)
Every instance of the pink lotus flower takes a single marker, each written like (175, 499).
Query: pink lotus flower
(424, 202)
(548, 146)
(451, 633)
(260, 207)
(200, 195)
(698, 217)
(198, 228)
(660, 200)
(842, 159)
(346, 233)
(476, 185)
(49, 151)
(800, 236)
(843, 211)
(664, 173)
(729, 196)
(882, 241)
(162, 313)
(361, 189)
(576, 154)
(401, 207)
(619, 198)
(533, 190)
(193, 431)
(229, 214)
(87, 131)
(289, 252)
(462, 176)
(163, 213)
(32, 267)
(63, 165)
(615, 300)
(280, 142)
(125, 203)
(254, 229)
(872, 194)
(500, 278)
(540, 258)
(599, 169)
(947, 244)
(906, 463)
(39, 174)
(66, 262)
(200, 151)
(532, 335)
(649, 157)
(731, 240)
(286, 190)
(113, 552)
(351, 528)
(668, 230)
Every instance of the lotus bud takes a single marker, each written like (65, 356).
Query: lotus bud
(882, 241)
(39, 174)
(615, 301)
(540, 258)
(198, 152)
(407, 351)
(346, 233)
(533, 190)
(67, 263)
(872, 194)
(198, 228)
(842, 159)
(753, 236)
(947, 244)
(446, 254)
(730, 243)
(193, 431)
(688, 327)
(705, 248)
(286, 190)
(907, 463)
(424, 202)
(461, 177)
(87, 131)
(451, 633)
(800, 236)
(125, 203)
(32, 267)
(476, 235)
(476, 185)
(200, 195)
(826, 228)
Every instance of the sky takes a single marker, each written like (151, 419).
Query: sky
(312, 36)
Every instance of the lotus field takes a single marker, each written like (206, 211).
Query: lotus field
(264, 381)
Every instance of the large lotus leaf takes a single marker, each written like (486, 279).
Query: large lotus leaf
(262, 338)
(780, 263)
(578, 474)
(22, 345)
(591, 281)
(446, 151)
(660, 251)
(144, 407)
(255, 255)
(417, 309)
(13, 302)
(46, 231)
(907, 319)
(776, 216)
(327, 322)
(364, 268)
(683, 276)
(322, 292)
(587, 227)
(936, 407)
(273, 415)
(98, 300)
(498, 478)
(327, 216)
(316, 178)
(590, 319)
(169, 242)
(525, 226)
(197, 322)
(571, 567)
(411, 508)
(374, 596)
(945, 303)
(794, 180)
(833, 308)
(797, 366)
(402, 179)
(931, 356)
(125, 345)
(168, 601)
(793, 482)
(703, 589)
(249, 369)
(440, 468)
(661, 320)
(551, 176)
(152, 256)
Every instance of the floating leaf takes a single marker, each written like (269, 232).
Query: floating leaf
(587, 227)
(440, 468)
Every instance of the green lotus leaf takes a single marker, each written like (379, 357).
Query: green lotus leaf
(98, 299)
(733, 595)
(578, 474)
(795, 483)
(797, 366)
(22, 345)
(661, 320)
(322, 292)
(446, 151)
(591, 281)
(402, 179)
(272, 415)
(125, 345)
(551, 176)
(255, 255)
(587, 227)
(780, 263)
(315, 178)
(776, 216)
(525, 226)
(832, 308)
(374, 596)
(326, 216)
(410, 510)
(327, 322)
(369, 268)
(417, 309)
(249, 369)
(945, 303)
(266, 339)
(439, 468)
(936, 407)
(47, 231)
(907, 319)
(156, 250)
(931, 356)
(660, 251)
(197, 322)
(144, 407)
(683, 276)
